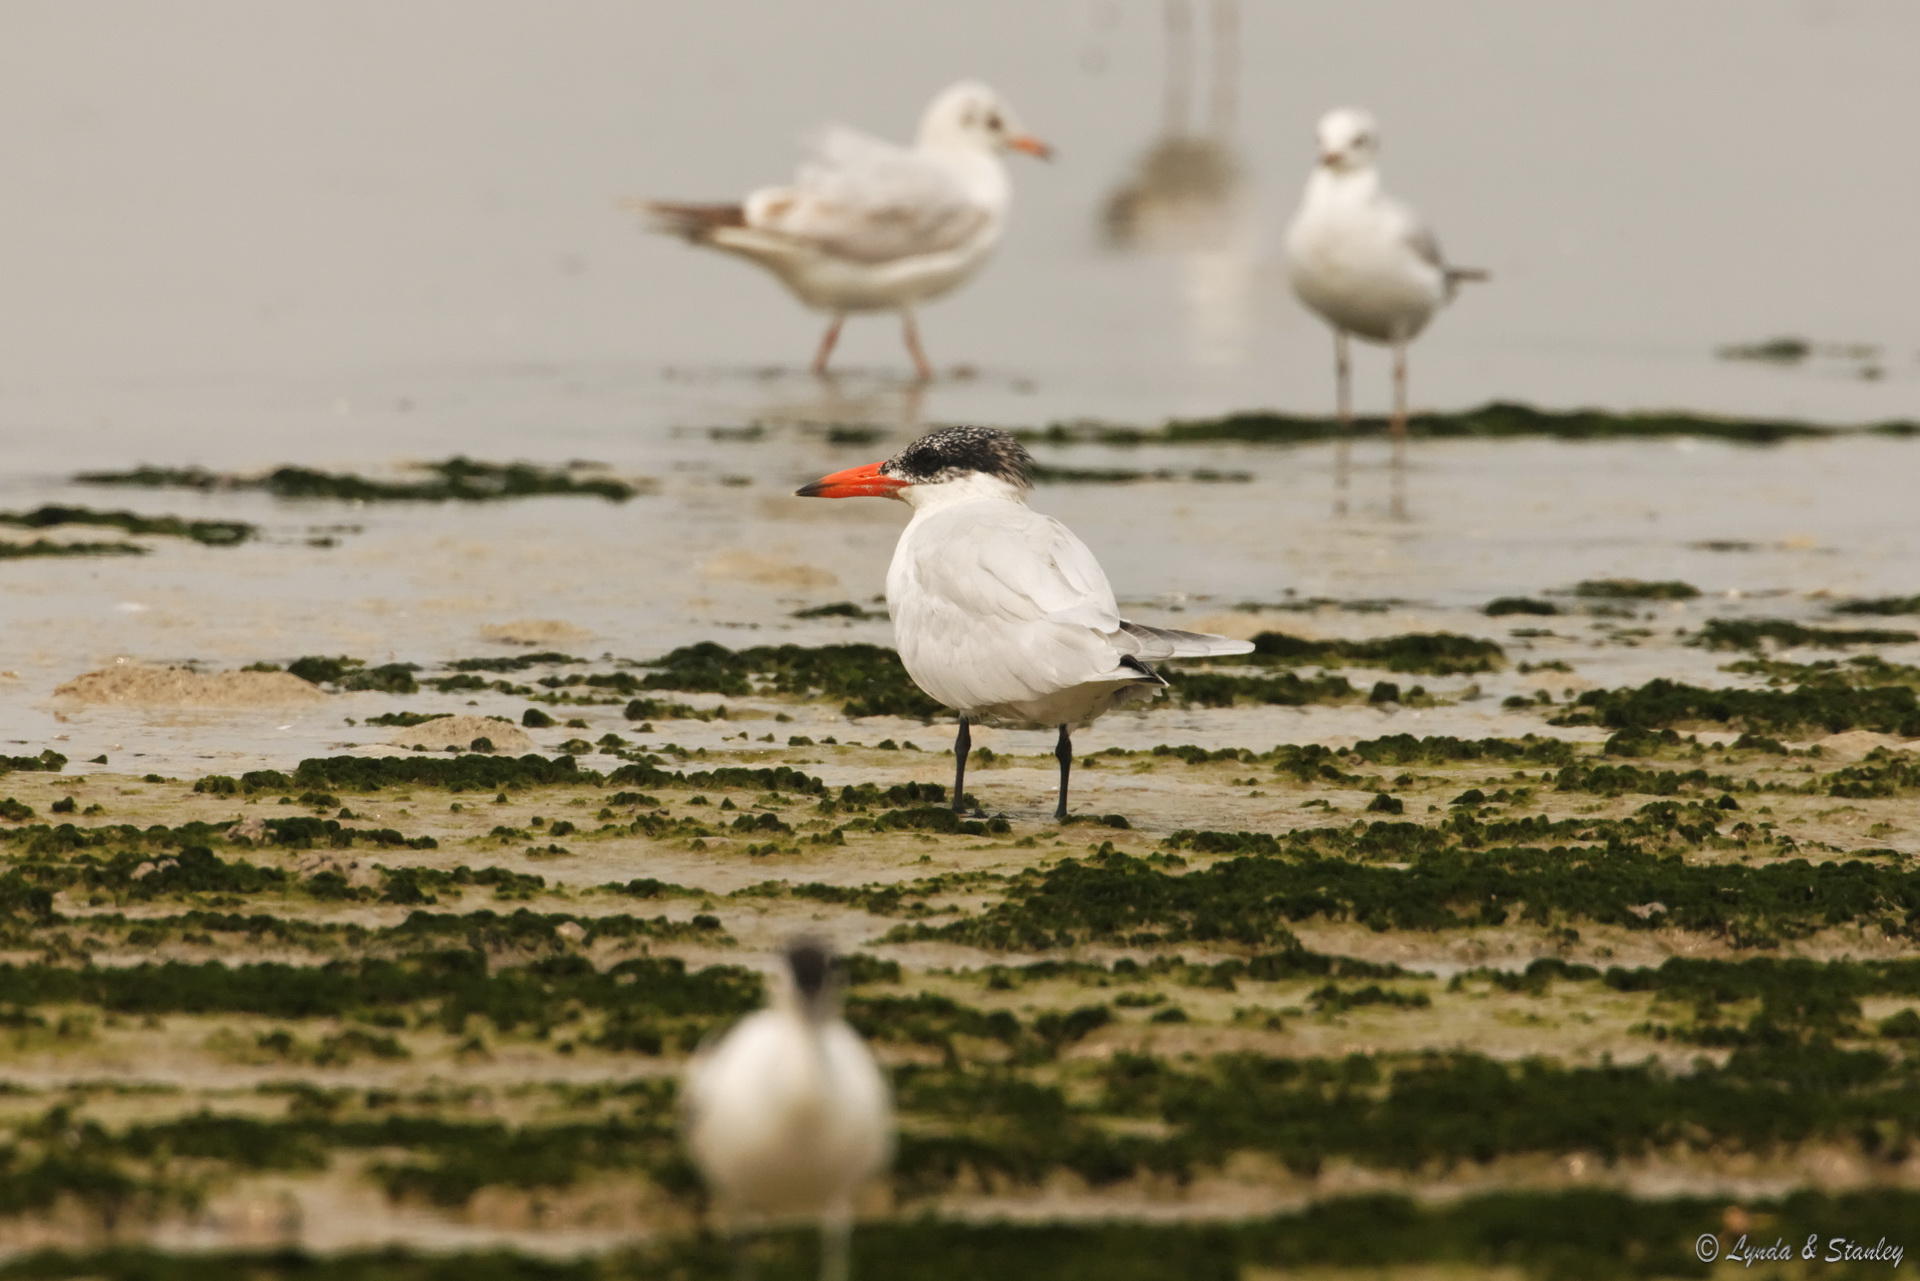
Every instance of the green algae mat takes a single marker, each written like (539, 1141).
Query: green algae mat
(1549, 1003)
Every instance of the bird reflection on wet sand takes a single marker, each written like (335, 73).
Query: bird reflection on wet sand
(1186, 194)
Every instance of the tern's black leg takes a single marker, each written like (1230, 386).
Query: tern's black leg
(1063, 752)
(962, 744)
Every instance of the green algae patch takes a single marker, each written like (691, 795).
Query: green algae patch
(1634, 589)
(464, 773)
(42, 547)
(931, 818)
(1423, 653)
(1441, 749)
(1281, 689)
(48, 760)
(1860, 671)
(1775, 351)
(1754, 633)
(1566, 1234)
(456, 479)
(1807, 709)
(1457, 877)
(1617, 780)
(839, 609)
(1447, 1110)
(868, 679)
(1790, 349)
(1882, 773)
(454, 984)
(1496, 420)
(344, 673)
(1880, 605)
(211, 533)
(1502, 606)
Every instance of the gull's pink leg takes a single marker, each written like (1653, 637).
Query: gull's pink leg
(1343, 406)
(827, 340)
(1399, 392)
(1398, 506)
(1342, 379)
(911, 332)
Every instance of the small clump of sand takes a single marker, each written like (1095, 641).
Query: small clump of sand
(459, 731)
(534, 631)
(752, 567)
(151, 685)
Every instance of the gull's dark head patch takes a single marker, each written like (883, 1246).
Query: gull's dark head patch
(811, 964)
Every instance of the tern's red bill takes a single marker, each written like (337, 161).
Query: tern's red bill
(854, 482)
(1031, 145)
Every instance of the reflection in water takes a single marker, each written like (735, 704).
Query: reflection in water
(1396, 478)
(1342, 468)
(832, 401)
(1186, 195)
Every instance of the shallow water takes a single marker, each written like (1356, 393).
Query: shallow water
(362, 235)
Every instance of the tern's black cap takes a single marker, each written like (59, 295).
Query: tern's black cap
(955, 451)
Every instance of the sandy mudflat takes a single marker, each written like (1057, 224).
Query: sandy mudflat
(147, 685)
(460, 731)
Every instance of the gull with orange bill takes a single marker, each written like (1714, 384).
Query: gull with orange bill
(999, 612)
(868, 225)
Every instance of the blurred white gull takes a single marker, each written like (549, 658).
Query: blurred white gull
(1363, 261)
(870, 226)
(787, 1114)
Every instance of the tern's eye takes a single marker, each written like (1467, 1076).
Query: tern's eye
(994, 123)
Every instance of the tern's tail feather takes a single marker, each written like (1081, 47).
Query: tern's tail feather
(1155, 643)
(694, 221)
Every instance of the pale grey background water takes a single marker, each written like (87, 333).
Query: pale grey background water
(246, 233)
(269, 204)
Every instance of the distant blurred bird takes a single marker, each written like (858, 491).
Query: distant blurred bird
(787, 1114)
(1361, 260)
(870, 226)
(1184, 192)
(999, 612)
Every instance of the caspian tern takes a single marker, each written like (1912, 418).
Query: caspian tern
(999, 612)
(871, 226)
(1361, 260)
(787, 1114)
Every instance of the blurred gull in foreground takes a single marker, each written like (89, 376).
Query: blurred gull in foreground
(787, 1114)
(870, 226)
(1361, 260)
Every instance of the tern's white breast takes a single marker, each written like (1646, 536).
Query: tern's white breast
(1000, 613)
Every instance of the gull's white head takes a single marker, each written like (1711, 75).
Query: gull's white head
(953, 462)
(972, 116)
(1349, 139)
